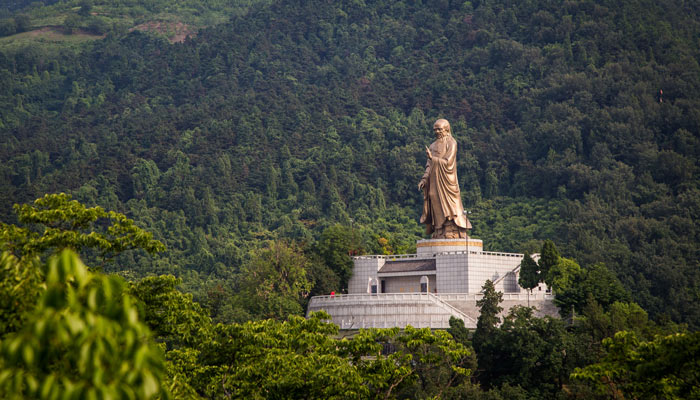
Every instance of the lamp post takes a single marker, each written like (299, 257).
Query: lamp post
(466, 215)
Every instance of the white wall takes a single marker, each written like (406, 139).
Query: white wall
(365, 268)
(452, 276)
(407, 284)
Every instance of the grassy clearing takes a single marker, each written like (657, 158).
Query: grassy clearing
(174, 20)
(46, 36)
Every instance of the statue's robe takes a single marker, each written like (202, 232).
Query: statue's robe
(441, 196)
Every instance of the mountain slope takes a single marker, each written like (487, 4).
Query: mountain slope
(576, 121)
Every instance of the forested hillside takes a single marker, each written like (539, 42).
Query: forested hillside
(577, 121)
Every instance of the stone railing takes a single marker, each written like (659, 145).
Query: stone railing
(388, 257)
(419, 296)
(466, 318)
(422, 256)
(506, 296)
(372, 297)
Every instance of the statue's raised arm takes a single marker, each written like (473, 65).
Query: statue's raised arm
(443, 214)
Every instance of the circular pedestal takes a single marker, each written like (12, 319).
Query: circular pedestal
(432, 246)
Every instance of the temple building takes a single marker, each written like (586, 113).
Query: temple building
(443, 279)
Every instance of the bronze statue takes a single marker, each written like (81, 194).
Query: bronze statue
(443, 214)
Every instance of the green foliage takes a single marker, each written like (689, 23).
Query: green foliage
(489, 307)
(166, 17)
(439, 366)
(65, 223)
(549, 257)
(275, 283)
(62, 223)
(458, 331)
(524, 357)
(529, 276)
(318, 112)
(527, 351)
(291, 359)
(299, 358)
(323, 278)
(8, 26)
(599, 324)
(561, 277)
(664, 368)
(488, 320)
(71, 23)
(21, 283)
(180, 324)
(172, 316)
(574, 286)
(84, 339)
(335, 246)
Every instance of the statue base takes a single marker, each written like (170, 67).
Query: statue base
(450, 230)
(432, 246)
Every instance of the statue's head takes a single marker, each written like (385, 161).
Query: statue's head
(442, 128)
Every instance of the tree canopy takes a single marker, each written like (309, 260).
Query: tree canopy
(286, 130)
(575, 122)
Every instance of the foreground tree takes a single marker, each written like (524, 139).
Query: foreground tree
(488, 321)
(300, 358)
(667, 367)
(83, 340)
(21, 284)
(527, 351)
(55, 222)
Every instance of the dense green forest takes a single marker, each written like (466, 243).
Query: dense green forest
(295, 117)
(280, 136)
(69, 331)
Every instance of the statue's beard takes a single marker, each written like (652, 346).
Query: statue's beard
(442, 135)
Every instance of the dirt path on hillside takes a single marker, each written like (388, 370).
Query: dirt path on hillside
(176, 32)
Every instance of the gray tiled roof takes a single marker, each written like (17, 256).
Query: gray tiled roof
(408, 266)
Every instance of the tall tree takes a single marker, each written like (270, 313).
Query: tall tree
(486, 325)
(529, 276)
(336, 244)
(549, 257)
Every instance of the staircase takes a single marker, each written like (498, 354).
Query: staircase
(387, 310)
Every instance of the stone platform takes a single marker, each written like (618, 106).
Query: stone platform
(420, 310)
(443, 279)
